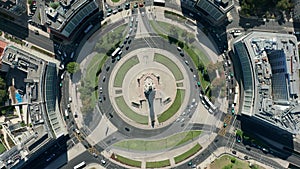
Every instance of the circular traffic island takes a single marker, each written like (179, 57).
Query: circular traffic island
(147, 88)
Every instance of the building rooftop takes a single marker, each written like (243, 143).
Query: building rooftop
(32, 76)
(66, 20)
(270, 64)
(13, 6)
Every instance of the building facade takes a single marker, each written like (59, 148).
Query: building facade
(215, 11)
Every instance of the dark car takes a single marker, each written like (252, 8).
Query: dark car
(127, 6)
(120, 8)
(127, 129)
(238, 138)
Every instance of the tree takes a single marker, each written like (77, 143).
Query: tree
(283, 5)
(54, 5)
(3, 90)
(205, 75)
(201, 66)
(233, 160)
(72, 67)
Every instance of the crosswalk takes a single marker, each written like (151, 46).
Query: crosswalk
(225, 126)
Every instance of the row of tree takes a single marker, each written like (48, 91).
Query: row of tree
(3, 91)
(262, 7)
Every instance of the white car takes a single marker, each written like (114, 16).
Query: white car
(72, 54)
(70, 99)
(62, 76)
(182, 120)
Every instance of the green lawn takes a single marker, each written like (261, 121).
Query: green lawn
(124, 69)
(161, 144)
(173, 108)
(169, 64)
(2, 148)
(188, 153)
(227, 161)
(115, 1)
(91, 78)
(174, 16)
(127, 161)
(203, 58)
(89, 82)
(158, 164)
(130, 113)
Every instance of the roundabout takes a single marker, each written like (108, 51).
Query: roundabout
(147, 111)
(148, 94)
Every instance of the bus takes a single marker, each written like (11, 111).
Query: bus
(116, 52)
(80, 165)
(211, 105)
(235, 99)
(236, 90)
(88, 29)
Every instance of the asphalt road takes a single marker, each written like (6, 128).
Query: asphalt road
(22, 32)
(88, 158)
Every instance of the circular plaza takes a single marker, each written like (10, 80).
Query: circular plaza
(147, 88)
